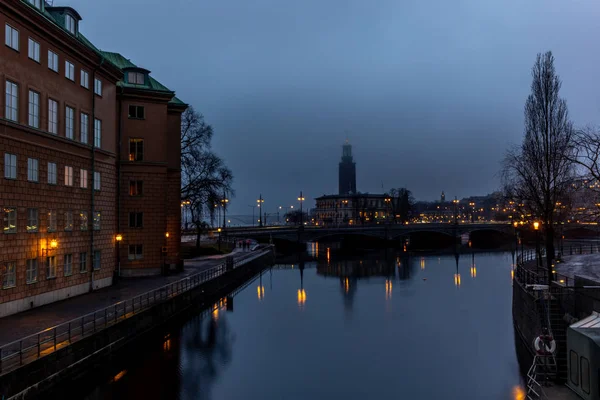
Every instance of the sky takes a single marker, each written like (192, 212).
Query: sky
(430, 93)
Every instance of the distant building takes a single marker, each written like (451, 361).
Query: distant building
(443, 197)
(347, 169)
(349, 206)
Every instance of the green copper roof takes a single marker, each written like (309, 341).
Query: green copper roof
(177, 101)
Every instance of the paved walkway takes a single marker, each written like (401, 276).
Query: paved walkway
(17, 326)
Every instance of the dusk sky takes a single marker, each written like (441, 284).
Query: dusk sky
(429, 93)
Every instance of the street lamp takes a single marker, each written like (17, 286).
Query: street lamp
(185, 203)
(301, 199)
(119, 238)
(536, 227)
(224, 202)
(260, 200)
(455, 201)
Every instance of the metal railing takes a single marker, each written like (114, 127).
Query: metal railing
(43, 343)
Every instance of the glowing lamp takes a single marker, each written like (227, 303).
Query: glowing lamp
(119, 237)
(54, 244)
(167, 234)
(536, 225)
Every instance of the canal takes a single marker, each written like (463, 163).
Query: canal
(381, 326)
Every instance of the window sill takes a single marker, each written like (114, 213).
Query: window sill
(66, 275)
(51, 278)
(139, 119)
(9, 287)
(10, 179)
(32, 282)
(35, 61)
(12, 48)
(83, 272)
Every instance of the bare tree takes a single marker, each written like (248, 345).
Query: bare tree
(538, 173)
(587, 161)
(204, 176)
(401, 204)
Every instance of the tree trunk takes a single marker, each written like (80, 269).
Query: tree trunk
(549, 249)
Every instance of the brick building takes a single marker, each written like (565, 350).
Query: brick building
(89, 147)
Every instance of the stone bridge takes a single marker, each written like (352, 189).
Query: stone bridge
(385, 232)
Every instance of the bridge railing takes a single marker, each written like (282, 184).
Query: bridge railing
(47, 341)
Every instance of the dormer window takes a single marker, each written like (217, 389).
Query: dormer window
(70, 24)
(36, 3)
(136, 78)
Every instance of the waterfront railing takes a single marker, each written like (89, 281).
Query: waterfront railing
(47, 341)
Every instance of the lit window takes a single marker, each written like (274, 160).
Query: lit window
(98, 87)
(69, 71)
(96, 221)
(70, 122)
(32, 170)
(82, 262)
(136, 252)
(97, 133)
(84, 128)
(52, 221)
(34, 109)
(36, 3)
(83, 178)
(51, 267)
(83, 221)
(136, 149)
(136, 220)
(96, 180)
(11, 37)
(34, 50)
(85, 79)
(136, 112)
(68, 220)
(136, 188)
(10, 220)
(68, 264)
(70, 23)
(32, 220)
(10, 275)
(52, 173)
(52, 116)
(32, 270)
(68, 176)
(97, 259)
(10, 166)
(12, 101)
(52, 61)
(135, 78)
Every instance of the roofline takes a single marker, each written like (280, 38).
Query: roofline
(60, 8)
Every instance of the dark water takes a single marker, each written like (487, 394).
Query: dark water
(378, 328)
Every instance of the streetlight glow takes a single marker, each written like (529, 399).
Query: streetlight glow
(119, 237)
(536, 225)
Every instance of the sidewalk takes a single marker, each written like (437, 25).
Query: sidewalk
(17, 326)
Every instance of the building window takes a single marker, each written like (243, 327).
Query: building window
(136, 149)
(97, 259)
(97, 133)
(52, 174)
(11, 37)
(136, 251)
(34, 109)
(68, 176)
(10, 275)
(84, 127)
(136, 112)
(96, 180)
(32, 270)
(52, 61)
(83, 220)
(136, 188)
(32, 220)
(135, 78)
(34, 50)
(51, 267)
(52, 116)
(52, 221)
(10, 166)
(98, 87)
(11, 108)
(68, 221)
(70, 122)
(36, 3)
(96, 220)
(83, 178)
(70, 24)
(69, 71)
(68, 264)
(10, 220)
(82, 262)
(32, 170)
(136, 220)
(85, 79)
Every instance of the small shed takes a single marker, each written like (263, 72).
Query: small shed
(583, 353)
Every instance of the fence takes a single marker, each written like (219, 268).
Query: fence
(43, 343)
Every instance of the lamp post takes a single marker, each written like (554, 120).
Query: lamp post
(224, 202)
(455, 201)
(515, 224)
(536, 227)
(301, 199)
(472, 204)
(118, 239)
(388, 203)
(260, 201)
